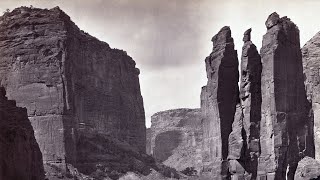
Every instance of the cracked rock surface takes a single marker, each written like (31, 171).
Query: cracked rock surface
(218, 103)
(285, 134)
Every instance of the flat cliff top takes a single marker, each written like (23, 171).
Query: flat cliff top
(175, 112)
(27, 18)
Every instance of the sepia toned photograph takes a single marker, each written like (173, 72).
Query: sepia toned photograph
(159, 90)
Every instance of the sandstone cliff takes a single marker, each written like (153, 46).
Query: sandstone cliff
(176, 138)
(20, 156)
(244, 145)
(265, 131)
(71, 84)
(285, 135)
(218, 102)
(311, 65)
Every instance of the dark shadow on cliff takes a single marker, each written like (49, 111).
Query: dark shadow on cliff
(101, 155)
(165, 144)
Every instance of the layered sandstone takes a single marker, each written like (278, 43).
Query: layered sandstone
(218, 103)
(243, 141)
(311, 65)
(70, 82)
(20, 156)
(285, 135)
(250, 96)
(176, 138)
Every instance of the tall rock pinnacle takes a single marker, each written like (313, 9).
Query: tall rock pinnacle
(284, 130)
(244, 142)
(218, 102)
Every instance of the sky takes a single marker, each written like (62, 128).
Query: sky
(169, 39)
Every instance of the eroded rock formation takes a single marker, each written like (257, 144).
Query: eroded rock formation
(176, 138)
(250, 95)
(244, 145)
(218, 103)
(71, 84)
(285, 135)
(272, 125)
(20, 156)
(311, 65)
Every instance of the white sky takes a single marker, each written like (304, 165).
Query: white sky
(169, 39)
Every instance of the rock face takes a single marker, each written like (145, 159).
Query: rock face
(243, 141)
(176, 138)
(148, 141)
(285, 135)
(311, 65)
(308, 168)
(218, 102)
(250, 95)
(70, 82)
(20, 156)
(265, 131)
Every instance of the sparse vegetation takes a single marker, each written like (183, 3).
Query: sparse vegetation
(189, 171)
(6, 11)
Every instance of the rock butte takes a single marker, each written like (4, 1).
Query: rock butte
(69, 81)
(78, 92)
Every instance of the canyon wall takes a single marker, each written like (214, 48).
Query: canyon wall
(20, 156)
(218, 102)
(176, 138)
(311, 66)
(70, 82)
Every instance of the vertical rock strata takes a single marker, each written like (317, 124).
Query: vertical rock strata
(284, 131)
(20, 156)
(244, 148)
(311, 66)
(70, 82)
(250, 95)
(218, 102)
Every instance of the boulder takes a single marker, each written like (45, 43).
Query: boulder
(308, 168)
